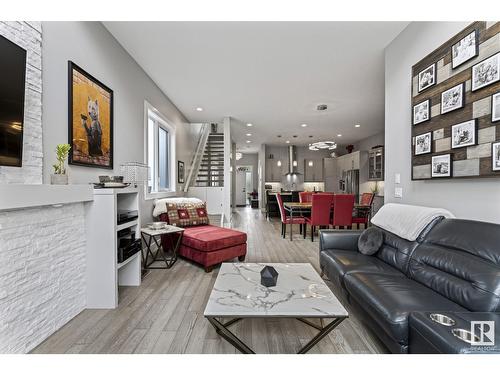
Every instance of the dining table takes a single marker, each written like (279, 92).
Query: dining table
(306, 207)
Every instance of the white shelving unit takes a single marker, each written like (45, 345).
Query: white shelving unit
(104, 273)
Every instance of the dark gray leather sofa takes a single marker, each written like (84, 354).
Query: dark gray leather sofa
(453, 266)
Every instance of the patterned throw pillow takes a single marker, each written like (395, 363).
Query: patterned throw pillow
(187, 214)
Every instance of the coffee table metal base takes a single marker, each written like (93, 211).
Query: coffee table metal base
(226, 334)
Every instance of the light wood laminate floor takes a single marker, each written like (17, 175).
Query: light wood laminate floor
(165, 314)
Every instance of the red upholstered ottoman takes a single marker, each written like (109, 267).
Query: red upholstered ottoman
(209, 245)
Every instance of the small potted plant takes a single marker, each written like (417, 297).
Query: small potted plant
(60, 177)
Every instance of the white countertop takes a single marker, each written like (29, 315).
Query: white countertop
(299, 292)
(19, 196)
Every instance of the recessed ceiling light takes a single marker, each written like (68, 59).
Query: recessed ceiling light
(249, 125)
(287, 142)
(249, 134)
(339, 135)
(249, 141)
(199, 109)
(357, 126)
(304, 125)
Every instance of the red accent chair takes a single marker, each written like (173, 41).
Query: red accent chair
(362, 215)
(320, 212)
(209, 245)
(285, 219)
(305, 196)
(343, 204)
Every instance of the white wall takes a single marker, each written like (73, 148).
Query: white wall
(477, 199)
(94, 49)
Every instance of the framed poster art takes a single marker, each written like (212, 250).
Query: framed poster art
(427, 78)
(453, 98)
(90, 120)
(421, 112)
(465, 49)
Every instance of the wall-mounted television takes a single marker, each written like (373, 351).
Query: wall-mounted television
(12, 88)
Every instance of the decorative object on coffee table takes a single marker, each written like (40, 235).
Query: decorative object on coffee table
(302, 294)
(155, 246)
(268, 276)
(60, 177)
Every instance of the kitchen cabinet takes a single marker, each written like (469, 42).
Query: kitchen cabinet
(330, 175)
(313, 170)
(376, 164)
(348, 162)
(274, 173)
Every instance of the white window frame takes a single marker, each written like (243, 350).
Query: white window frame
(163, 122)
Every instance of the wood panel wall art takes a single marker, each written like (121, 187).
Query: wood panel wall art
(455, 102)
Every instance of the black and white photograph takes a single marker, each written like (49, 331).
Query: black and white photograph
(495, 156)
(423, 143)
(495, 107)
(465, 49)
(421, 112)
(427, 78)
(453, 98)
(463, 134)
(486, 72)
(441, 166)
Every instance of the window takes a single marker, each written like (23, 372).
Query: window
(160, 153)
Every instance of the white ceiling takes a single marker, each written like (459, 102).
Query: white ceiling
(270, 74)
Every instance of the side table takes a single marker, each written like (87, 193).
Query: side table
(155, 251)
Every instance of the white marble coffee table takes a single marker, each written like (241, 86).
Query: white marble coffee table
(299, 293)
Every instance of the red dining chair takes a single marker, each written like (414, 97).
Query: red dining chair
(305, 196)
(285, 219)
(361, 214)
(320, 212)
(343, 204)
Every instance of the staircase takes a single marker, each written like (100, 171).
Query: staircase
(211, 170)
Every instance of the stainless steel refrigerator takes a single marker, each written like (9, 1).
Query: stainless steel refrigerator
(350, 183)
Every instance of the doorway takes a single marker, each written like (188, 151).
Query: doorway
(244, 184)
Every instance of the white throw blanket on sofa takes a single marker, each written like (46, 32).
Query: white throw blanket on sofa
(407, 221)
(161, 204)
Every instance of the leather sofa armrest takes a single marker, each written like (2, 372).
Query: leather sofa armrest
(339, 239)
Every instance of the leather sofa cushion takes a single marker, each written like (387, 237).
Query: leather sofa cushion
(336, 263)
(477, 238)
(211, 238)
(389, 299)
(396, 251)
(470, 281)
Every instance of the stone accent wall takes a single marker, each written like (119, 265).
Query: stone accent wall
(42, 273)
(28, 35)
